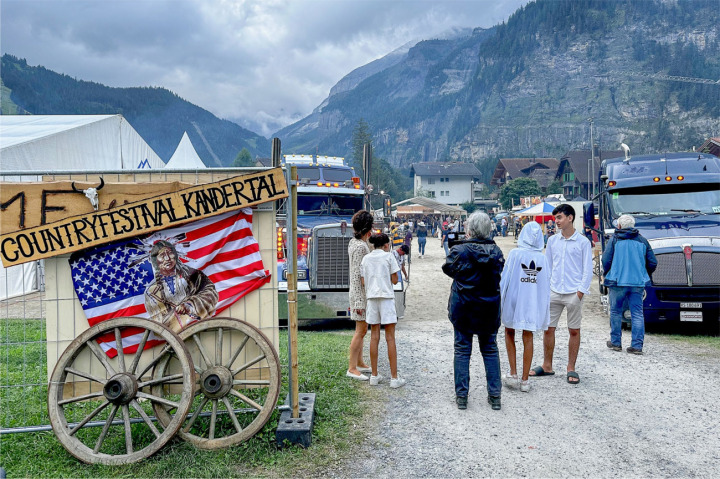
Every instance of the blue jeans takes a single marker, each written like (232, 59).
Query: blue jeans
(618, 294)
(504, 230)
(421, 245)
(491, 358)
(447, 249)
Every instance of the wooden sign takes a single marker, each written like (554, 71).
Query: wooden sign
(153, 214)
(25, 205)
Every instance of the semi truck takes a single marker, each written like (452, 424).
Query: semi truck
(675, 199)
(329, 194)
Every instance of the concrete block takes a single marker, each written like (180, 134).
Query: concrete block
(297, 430)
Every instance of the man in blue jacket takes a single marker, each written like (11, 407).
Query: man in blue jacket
(628, 262)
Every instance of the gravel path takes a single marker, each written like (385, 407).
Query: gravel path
(645, 416)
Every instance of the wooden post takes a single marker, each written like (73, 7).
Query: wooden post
(292, 294)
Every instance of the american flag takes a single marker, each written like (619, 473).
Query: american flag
(110, 280)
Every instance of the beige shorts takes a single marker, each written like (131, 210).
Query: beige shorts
(558, 302)
(381, 311)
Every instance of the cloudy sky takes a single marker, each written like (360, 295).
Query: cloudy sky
(261, 63)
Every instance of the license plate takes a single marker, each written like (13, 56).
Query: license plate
(691, 316)
(691, 305)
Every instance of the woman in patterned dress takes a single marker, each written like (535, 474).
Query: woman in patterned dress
(357, 249)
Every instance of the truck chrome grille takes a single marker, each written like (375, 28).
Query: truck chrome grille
(670, 270)
(333, 264)
(706, 268)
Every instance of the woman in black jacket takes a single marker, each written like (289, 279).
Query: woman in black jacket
(475, 265)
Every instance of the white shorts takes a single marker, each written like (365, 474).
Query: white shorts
(380, 311)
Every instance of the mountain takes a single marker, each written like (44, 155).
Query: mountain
(157, 114)
(528, 87)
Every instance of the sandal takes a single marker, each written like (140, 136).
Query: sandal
(539, 371)
(573, 375)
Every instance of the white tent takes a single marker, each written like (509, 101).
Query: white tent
(45, 143)
(72, 142)
(185, 156)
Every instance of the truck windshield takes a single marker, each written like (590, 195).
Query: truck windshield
(673, 200)
(329, 204)
(336, 174)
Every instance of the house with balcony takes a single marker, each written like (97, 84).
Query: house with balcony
(712, 146)
(449, 183)
(576, 168)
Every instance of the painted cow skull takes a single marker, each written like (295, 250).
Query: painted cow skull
(91, 193)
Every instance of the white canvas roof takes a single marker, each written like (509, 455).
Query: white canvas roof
(185, 155)
(72, 142)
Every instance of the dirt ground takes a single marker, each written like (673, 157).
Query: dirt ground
(655, 415)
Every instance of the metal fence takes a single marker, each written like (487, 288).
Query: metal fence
(26, 354)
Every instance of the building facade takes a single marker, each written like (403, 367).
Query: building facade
(448, 183)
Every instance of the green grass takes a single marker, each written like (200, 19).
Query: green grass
(701, 341)
(340, 408)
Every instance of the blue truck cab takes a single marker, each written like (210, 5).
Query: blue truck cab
(675, 200)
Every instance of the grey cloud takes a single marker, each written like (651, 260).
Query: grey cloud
(265, 62)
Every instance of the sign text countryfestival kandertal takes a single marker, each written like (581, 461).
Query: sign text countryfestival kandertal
(83, 231)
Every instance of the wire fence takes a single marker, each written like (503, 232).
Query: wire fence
(32, 301)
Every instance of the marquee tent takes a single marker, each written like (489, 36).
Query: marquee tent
(72, 142)
(185, 156)
(46, 143)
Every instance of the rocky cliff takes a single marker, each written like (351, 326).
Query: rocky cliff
(648, 73)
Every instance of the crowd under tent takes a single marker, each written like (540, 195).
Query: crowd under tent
(47, 143)
(421, 205)
(185, 156)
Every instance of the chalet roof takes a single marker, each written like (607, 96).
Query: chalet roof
(712, 146)
(444, 169)
(544, 176)
(267, 162)
(577, 160)
(522, 167)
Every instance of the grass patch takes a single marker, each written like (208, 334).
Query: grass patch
(340, 409)
(699, 341)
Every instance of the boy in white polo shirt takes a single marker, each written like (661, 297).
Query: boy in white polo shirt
(379, 272)
(569, 255)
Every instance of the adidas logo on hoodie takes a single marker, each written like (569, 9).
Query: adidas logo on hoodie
(531, 271)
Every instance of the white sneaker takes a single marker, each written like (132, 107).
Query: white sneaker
(525, 386)
(359, 377)
(397, 382)
(511, 381)
(375, 380)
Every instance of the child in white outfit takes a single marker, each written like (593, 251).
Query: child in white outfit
(379, 272)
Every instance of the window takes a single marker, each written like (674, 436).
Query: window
(447, 193)
(447, 180)
(431, 181)
(432, 194)
(442, 180)
(442, 193)
(569, 177)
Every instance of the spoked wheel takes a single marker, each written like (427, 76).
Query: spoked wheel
(87, 386)
(238, 384)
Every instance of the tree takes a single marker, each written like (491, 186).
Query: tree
(361, 135)
(513, 190)
(554, 188)
(468, 206)
(243, 158)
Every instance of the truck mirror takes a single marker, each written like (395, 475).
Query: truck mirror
(589, 214)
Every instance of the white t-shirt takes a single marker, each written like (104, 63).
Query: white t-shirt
(376, 269)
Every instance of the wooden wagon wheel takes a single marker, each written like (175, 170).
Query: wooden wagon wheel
(238, 387)
(87, 385)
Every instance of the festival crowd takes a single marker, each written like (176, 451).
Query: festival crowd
(525, 292)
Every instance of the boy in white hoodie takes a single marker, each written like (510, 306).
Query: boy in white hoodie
(525, 299)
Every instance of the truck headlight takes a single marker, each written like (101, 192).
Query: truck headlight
(627, 314)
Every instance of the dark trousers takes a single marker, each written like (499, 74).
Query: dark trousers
(491, 358)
